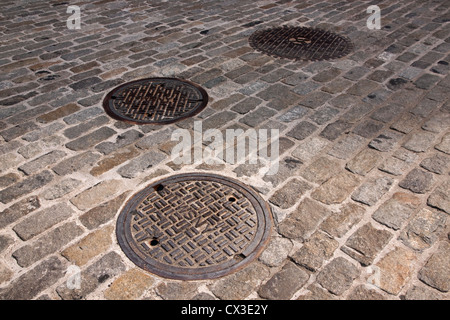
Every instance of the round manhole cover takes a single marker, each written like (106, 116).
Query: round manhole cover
(300, 43)
(194, 226)
(155, 101)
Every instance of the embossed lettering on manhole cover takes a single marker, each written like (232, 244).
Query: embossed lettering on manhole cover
(194, 226)
(155, 101)
(300, 43)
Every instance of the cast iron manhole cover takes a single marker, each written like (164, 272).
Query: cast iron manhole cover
(300, 43)
(155, 101)
(194, 226)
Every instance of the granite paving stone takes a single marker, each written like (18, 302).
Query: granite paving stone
(366, 243)
(424, 229)
(338, 275)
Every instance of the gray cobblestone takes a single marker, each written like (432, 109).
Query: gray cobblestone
(47, 244)
(26, 186)
(91, 139)
(435, 272)
(42, 162)
(418, 181)
(34, 281)
(285, 283)
(338, 276)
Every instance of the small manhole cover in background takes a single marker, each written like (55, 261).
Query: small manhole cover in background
(300, 43)
(155, 101)
(194, 226)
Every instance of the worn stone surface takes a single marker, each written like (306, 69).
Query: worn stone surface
(397, 210)
(105, 268)
(42, 220)
(95, 195)
(90, 246)
(318, 248)
(102, 213)
(366, 243)
(288, 195)
(424, 229)
(129, 286)
(239, 285)
(338, 275)
(444, 144)
(345, 148)
(26, 186)
(47, 244)
(321, 170)
(176, 290)
(336, 189)
(420, 141)
(439, 163)
(284, 283)
(339, 223)
(422, 293)
(304, 220)
(372, 190)
(394, 270)
(276, 252)
(19, 210)
(362, 292)
(60, 189)
(34, 281)
(364, 162)
(436, 272)
(417, 181)
(440, 197)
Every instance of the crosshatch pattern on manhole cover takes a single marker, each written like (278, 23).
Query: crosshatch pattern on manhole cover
(194, 226)
(300, 43)
(155, 101)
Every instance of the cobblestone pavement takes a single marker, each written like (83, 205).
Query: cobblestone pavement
(361, 198)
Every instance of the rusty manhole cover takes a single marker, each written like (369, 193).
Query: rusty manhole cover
(155, 101)
(300, 43)
(194, 226)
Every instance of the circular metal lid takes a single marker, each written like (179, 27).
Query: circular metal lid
(155, 101)
(300, 43)
(194, 226)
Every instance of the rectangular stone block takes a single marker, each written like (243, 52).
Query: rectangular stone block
(26, 186)
(304, 220)
(31, 283)
(107, 267)
(337, 188)
(96, 194)
(91, 139)
(365, 244)
(47, 244)
(42, 220)
(42, 162)
(76, 163)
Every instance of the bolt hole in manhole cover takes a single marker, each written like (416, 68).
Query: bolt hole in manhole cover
(155, 101)
(194, 226)
(300, 43)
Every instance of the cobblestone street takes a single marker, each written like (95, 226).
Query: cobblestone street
(361, 198)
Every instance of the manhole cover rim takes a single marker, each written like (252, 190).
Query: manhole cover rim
(253, 250)
(110, 112)
(257, 46)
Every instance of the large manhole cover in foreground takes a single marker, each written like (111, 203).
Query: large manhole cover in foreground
(155, 101)
(194, 226)
(300, 43)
